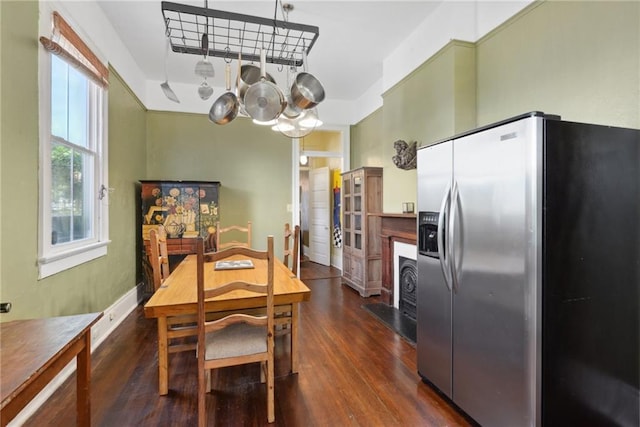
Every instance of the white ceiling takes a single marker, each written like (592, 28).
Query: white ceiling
(355, 38)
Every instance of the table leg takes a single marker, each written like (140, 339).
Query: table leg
(83, 382)
(163, 356)
(295, 307)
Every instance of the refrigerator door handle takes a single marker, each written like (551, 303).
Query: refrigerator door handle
(453, 207)
(444, 255)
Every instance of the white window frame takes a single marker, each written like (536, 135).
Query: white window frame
(53, 259)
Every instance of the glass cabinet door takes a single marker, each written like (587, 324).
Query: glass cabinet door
(357, 214)
(357, 204)
(357, 184)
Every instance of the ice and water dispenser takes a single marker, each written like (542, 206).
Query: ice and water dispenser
(428, 234)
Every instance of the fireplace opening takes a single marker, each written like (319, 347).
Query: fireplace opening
(408, 280)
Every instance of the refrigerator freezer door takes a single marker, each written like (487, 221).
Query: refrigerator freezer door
(434, 298)
(494, 174)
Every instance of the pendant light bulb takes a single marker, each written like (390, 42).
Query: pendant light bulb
(303, 157)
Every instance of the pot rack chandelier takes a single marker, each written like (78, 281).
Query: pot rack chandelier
(228, 35)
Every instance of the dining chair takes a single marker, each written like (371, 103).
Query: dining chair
(180, 327)
(292, 247)
(234, 231)
(291, 250)
(158, 256)
(238, 338)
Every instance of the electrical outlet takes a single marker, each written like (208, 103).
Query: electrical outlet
(289, 207)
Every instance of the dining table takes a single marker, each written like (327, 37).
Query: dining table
(175, 303)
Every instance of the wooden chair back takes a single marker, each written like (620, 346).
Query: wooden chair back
(234, 230)
(158, 256)
(292, 247)
(238, 338)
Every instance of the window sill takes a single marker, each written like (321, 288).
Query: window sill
(48, 266)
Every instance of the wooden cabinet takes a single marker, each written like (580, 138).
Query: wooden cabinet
(187, 209)
(362, 249)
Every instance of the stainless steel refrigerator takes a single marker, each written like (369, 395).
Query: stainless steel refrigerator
(529, 272)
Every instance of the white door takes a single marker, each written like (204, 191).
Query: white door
(320, 216)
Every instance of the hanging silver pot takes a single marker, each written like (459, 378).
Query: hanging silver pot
(248, 75)
(291, 111)
(225, 108)
(264, 101)
(306, 91)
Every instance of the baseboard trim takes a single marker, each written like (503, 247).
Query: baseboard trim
(336, 260)
(113, 316)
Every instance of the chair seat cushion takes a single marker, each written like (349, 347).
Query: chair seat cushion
(239, 339)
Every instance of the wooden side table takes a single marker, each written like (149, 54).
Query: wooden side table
(33, 352)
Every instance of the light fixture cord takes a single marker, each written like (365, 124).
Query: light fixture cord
(206, 30)
(275, 15)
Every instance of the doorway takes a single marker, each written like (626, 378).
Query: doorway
(329, 150)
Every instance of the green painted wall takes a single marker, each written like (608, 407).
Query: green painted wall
(97, 284)
(431, 103)
(367, 141)
(577, 59)
(580, 60)
(127, 162)
(253, 164)
(19, 139)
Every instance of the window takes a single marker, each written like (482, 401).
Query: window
(73, 223)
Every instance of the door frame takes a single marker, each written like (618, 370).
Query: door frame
(296, 152)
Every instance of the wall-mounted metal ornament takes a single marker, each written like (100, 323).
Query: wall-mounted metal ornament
(405, 157)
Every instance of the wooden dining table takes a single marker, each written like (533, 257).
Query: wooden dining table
(177, 299)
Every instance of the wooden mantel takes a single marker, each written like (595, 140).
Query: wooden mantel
(394, 228)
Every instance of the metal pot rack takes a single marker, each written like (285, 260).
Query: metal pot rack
(232, 33)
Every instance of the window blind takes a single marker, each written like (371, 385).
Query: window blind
(67, 44)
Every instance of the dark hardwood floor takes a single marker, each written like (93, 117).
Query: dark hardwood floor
(353, 371)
